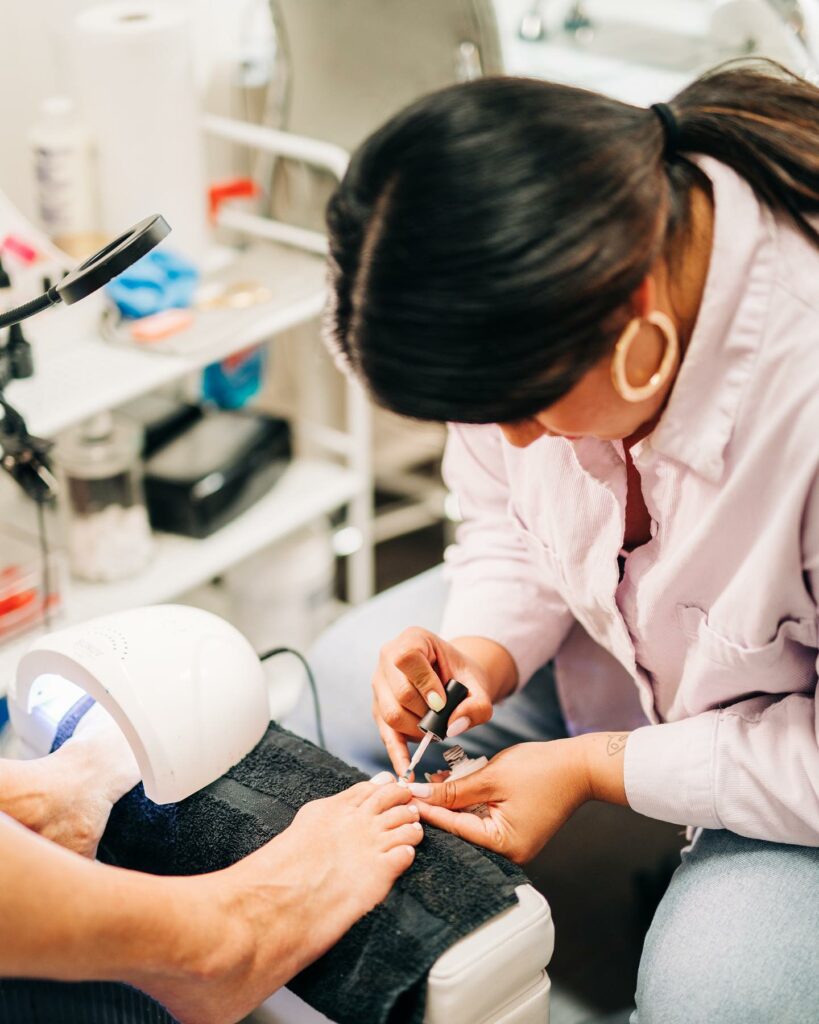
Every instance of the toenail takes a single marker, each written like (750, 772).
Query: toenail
(418, 825)
(413, 808)
(382, 779)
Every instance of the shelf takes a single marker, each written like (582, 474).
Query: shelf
(79, 374)
(308, 489)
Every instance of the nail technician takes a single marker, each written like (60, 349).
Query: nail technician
(616, 310)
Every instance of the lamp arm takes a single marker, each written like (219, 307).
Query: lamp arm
(44, 301)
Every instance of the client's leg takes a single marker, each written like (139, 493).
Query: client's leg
(345, 657)
(67, 796)
(278, 909)
(335, 862)
(333, 858)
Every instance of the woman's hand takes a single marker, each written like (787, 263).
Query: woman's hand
(530, 790)
(412, 671)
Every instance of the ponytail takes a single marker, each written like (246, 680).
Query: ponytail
(763, 122)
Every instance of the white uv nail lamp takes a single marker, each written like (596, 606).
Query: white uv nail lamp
(184, 686)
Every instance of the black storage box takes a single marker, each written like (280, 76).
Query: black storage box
(216, 469)
(161, 418)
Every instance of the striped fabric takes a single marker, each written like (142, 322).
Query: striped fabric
(23, 1001)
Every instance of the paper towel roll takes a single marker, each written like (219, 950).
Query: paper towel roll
(133, 69)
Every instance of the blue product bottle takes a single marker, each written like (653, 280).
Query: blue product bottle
(231, 383)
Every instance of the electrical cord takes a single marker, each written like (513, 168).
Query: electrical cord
(46, 567)
(311, 680)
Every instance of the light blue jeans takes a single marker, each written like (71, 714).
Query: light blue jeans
(735, 939)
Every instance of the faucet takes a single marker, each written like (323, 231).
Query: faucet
(532, 27)
(577, 22)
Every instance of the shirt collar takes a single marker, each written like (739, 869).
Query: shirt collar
(699, 418)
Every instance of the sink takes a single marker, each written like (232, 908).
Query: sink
(649, 45)
(679, 36)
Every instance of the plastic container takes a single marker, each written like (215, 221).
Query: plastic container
(63, 168)
(231, 383)
(29, 590)
(109, 535)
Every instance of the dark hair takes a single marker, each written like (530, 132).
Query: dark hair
(486, 241)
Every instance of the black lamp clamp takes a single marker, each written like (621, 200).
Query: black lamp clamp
(25, 457)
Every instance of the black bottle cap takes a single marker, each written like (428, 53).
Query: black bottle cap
(437, 722)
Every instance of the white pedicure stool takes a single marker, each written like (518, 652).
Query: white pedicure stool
(497, 975)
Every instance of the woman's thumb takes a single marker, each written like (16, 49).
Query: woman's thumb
(454, 794)
(474, 710)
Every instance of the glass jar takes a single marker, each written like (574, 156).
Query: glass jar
(109, 534)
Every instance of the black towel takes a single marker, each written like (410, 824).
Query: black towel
(376, 974)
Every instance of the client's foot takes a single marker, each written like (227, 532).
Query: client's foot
(290, 901)
(68, 795)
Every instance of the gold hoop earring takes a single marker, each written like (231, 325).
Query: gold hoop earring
(659, 378)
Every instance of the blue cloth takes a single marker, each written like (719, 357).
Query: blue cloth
(70, 721)
(160, 280)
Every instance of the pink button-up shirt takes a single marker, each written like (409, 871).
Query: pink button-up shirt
(711, 636)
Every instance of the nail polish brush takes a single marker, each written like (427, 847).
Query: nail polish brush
(436, 723)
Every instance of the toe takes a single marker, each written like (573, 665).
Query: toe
(360, 792)
(400, 858)
(382, 778)
(404, 835)
(403, 814)
(381, 798)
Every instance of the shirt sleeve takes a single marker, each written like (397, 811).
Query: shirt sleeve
(496, 589)
(752, 768)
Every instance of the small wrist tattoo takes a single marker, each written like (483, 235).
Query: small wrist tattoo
(616, 743)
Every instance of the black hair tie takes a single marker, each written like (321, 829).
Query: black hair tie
(671, 128)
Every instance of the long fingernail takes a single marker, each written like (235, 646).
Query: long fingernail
(435, 701)
(382, 779)
(420, 789)
(458, 726)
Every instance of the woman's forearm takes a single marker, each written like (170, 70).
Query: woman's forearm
(604, 756)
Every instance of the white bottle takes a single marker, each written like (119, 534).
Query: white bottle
(63, 174)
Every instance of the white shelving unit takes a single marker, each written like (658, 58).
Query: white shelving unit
(79, 373)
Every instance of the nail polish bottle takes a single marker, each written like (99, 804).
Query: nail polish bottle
(461, 765)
